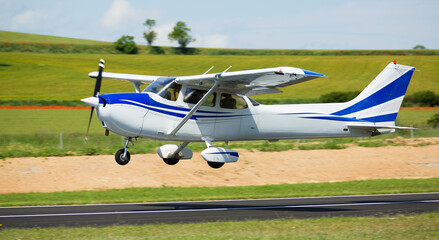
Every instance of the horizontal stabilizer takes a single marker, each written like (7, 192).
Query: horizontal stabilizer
(373, 126)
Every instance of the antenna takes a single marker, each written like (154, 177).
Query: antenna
(227, 69)
(208, 70)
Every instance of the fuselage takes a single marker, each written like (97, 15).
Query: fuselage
(213, 107)
(148, 115)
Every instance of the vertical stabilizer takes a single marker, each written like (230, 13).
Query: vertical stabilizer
(381, 100)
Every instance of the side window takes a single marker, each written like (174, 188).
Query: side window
(232, 101)
(171, 91)
(194, 96)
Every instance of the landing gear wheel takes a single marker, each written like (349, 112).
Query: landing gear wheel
(215, 164)
(171, 161)
(120, 159)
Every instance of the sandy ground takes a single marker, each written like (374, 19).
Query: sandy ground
(50, 174)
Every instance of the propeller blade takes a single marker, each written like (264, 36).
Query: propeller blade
(99, 78)
(95, 94)
(89, 122)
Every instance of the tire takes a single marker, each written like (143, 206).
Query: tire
(215, 164)
(119, 157)
(171, 161)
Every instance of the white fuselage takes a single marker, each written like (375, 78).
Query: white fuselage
(148, 115)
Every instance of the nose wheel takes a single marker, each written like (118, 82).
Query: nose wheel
(123, 156)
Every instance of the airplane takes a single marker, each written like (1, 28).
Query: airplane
(216, 107)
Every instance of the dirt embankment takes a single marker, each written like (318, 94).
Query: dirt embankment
(50, 174)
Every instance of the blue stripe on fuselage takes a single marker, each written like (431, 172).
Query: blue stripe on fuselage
(374, 119)
(143, 100)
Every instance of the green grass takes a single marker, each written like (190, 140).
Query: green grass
(166, 194)
(18, 37)
(65, 76)
(422, 226)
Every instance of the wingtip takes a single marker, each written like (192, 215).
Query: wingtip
(93, 74)
(311, 73)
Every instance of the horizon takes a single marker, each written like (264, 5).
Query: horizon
(145, 44)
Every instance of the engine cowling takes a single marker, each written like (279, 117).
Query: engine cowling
(220, 155)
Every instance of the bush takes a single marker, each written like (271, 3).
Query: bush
(156, 50)
(434, 120)
(422, 98)
(334, 97)
(126, 44)
(426, 98)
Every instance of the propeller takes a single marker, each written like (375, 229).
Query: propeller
(96, 92)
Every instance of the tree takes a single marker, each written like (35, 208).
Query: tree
(150, 35)
(126, 44)
(180, 34)
(419, 47)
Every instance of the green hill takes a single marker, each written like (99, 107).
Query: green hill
(25, 42)
(17, 37)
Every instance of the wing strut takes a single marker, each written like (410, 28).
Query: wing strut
(136, 86)
(194, 109)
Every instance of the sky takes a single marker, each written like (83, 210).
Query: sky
(254, 24)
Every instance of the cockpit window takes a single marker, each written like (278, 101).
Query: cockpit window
(158, 84)
(194, 96)
(170, 91)
(166, 88)
(232, 101)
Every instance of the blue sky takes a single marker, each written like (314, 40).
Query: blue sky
(274, 24)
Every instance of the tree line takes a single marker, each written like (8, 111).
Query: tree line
(180, 34)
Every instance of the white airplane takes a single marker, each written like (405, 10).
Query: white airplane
(216, 108)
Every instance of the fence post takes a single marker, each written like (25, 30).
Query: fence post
(412, 134)
(60, 141)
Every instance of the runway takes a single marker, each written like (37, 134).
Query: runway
(211, 211)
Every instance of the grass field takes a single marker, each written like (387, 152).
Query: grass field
(423, 226)
(65, 76)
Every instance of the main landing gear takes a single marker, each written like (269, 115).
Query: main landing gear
(123, 156)
(172, 154)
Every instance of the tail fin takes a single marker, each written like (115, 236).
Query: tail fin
(380, 101)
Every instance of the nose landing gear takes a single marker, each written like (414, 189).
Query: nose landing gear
(123, 156)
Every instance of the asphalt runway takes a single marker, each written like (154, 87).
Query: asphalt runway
(211, 211)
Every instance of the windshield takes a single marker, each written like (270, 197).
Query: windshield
(158, 85)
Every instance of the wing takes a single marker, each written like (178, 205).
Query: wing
(141, 79)
(248, 82)
(135, 79)
(251, 82)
